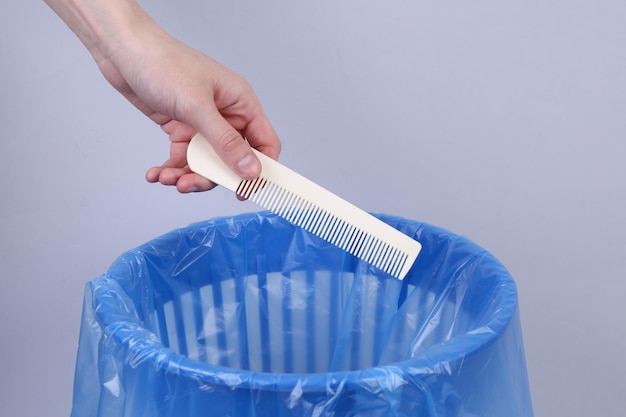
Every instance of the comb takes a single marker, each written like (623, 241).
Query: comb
(311, 207)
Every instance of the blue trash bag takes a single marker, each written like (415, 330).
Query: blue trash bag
(252, 316)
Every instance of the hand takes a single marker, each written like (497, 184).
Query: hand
(178, 87)
(185, 92)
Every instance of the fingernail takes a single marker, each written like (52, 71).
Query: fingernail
(249, 166)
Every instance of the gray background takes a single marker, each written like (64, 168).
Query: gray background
(503, 122)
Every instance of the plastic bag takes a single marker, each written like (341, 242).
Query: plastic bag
(251, 316)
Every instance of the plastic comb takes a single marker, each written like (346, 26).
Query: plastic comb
(311, 207)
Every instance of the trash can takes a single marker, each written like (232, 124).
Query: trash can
(252, 316)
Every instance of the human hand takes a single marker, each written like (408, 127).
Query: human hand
(178, 87)
(185, 92)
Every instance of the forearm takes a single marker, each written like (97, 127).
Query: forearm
(104, 26)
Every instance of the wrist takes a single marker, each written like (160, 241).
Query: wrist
(105, 26)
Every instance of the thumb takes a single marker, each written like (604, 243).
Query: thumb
(231, 146)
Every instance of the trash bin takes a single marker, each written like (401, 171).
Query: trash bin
(252, 316)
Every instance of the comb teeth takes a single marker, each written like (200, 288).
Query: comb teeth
(315, 219)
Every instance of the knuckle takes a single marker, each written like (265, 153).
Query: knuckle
(229, 140)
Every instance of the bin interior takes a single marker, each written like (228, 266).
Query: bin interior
(259, 294)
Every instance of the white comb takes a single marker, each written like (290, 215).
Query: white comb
(315, 209)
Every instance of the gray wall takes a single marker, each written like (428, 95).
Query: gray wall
(503, 122)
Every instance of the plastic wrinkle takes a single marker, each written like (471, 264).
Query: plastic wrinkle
(251, 316)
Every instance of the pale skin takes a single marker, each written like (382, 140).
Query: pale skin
(179, 88)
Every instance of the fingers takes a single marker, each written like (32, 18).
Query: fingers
(175, 171)
(177, 131)
(262, 137)
(231, 146)
(184, 180)
(165, 175)
(191, 183)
